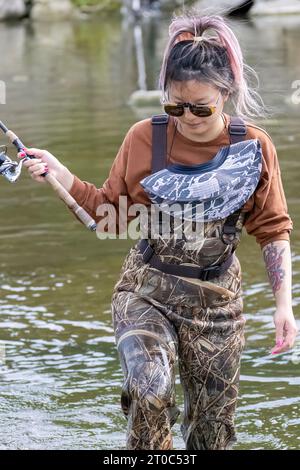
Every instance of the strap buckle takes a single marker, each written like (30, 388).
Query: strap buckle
(237, 129)
(210, 272)
(160, 119)
(229, 231)
(148, 253)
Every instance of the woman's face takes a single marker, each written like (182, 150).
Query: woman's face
(195, 92)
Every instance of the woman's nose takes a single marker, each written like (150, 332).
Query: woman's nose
(187, 110)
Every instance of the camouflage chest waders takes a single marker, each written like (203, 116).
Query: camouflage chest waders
(166, 305)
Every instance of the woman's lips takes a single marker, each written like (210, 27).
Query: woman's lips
(192, 125)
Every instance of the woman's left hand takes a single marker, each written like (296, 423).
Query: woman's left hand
(286, 330)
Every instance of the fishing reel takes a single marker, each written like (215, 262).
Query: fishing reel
(11, 171)
(8, 168)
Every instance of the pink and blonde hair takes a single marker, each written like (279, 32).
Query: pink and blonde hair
(215, 59)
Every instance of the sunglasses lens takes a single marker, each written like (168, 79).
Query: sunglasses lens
(177, 110)
(174, 110)
(202, 111)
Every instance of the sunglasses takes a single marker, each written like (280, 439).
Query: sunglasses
(199, 110)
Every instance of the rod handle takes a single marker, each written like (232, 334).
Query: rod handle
(81, 213)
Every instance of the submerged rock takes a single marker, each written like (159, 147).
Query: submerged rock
(14, 9)
(224, 7)
(144, 98)
(49, 10)
(276, 7)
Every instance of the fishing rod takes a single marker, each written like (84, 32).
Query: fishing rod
(11, 171)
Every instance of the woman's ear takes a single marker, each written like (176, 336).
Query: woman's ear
(225, 97)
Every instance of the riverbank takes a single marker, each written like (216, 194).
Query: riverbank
(91, 6)
(55, 10)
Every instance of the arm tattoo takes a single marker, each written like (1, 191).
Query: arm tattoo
(273, 260)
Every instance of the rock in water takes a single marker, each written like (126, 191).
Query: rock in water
(13, 9)
(48, 10)
(144, 98)
(223, 7)
(276, 7)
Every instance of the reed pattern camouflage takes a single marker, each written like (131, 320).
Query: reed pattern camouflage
(158, 318)
(161, 318)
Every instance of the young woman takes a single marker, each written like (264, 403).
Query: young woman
(180, 300)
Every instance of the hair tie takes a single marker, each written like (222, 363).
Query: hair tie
(198, 38)
(186, 36)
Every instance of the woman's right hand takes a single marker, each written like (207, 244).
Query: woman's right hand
(43, 161)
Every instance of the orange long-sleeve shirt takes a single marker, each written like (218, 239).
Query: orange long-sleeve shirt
(268, 219)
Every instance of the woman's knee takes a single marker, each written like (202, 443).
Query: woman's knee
(149, 385)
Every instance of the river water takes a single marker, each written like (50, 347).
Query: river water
(67, 88)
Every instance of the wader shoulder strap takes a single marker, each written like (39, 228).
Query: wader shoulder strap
(159, 141)
(228, 233)
(237, 129)
(237, 132)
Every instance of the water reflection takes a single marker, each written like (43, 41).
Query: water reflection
(67, 89)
